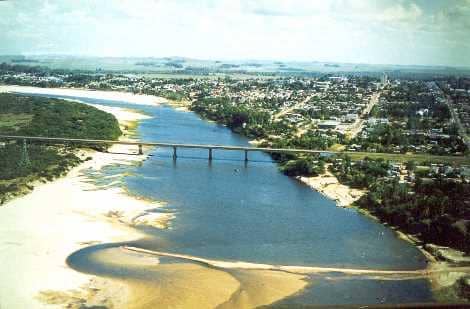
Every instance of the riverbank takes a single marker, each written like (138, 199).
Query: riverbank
(445, 266)
(41, 229)
(44, 232)
(181, 105)
(328, 185)
(185, 283)
(128, 97)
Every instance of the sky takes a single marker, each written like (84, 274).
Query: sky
(421, 32)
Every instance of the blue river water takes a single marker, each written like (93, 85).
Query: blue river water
(235, 211)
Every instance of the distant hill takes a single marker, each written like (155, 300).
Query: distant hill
(187, 65)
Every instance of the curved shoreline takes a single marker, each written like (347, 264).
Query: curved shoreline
(140, 99)
(394, 274)
(116, 217)
(40, 230)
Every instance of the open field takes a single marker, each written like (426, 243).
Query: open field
(14, 121)
(459, 160)
(174, 75)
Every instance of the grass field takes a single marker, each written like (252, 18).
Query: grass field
(14, 121)
(172, 75)
(398, 157)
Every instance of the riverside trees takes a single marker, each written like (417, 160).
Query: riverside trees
(35, 116)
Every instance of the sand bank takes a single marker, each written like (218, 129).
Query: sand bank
(328, 185)
(128, 97)
(262, 284)
(445, 265)
(40, 230)
(190, 282)
(180, 105)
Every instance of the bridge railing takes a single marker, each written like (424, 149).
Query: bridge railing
(140, 144)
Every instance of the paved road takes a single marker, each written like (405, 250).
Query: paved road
(295, 106)
(357, 126)
(454, 115)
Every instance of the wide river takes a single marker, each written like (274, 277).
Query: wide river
(230, 210)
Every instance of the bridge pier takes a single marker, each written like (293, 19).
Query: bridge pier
(104, 144)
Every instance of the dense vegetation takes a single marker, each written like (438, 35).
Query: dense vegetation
(437, 209)
(57, 118)
(35, 116)
(361, 174)
(239, 118)
(303, 166)
(259, 124)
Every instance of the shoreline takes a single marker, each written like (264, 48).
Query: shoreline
(128, 97)
(39, 230)
(344, 197)
(80, 214)
(329, 186)
(181, 105)
(91, 212)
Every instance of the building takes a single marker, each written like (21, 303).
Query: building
(328, 124)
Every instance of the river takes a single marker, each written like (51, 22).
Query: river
(229, 210)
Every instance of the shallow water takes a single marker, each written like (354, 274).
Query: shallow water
(229, 210)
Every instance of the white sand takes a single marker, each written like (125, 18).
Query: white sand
(87, 93)
(328, 185)
(40, 230)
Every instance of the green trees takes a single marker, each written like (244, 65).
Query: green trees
(48, 118)
(304, 166)
(361, 174)
(438, 211)
(249, 122)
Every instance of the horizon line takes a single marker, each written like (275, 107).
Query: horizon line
(235, 60)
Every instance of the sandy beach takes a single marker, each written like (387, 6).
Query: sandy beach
(40, 230)
(180, 105)
(128, 97)
(328, 185)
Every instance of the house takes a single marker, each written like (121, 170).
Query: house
(328, 124)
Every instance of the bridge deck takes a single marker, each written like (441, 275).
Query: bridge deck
(157, 144)
(388, 156)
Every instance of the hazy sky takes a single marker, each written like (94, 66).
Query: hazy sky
(433, 32)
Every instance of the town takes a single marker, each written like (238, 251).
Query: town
(397, 135)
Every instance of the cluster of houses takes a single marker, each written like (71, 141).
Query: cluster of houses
(437, 136)
(461, 105)
(427, 173)
(327, 104)
(32, 79)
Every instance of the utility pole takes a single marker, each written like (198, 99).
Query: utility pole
(24, 160)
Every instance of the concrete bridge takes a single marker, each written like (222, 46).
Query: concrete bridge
(175, 146)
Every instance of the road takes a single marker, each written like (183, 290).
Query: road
(355, 155)
(357, 126)
(455, 117)
(293, 107)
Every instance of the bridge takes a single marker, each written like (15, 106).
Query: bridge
(174, 146)
(355, 155)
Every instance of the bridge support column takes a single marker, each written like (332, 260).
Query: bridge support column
(246, 155)
(174, 152)
(210, 154)
(141, 152)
